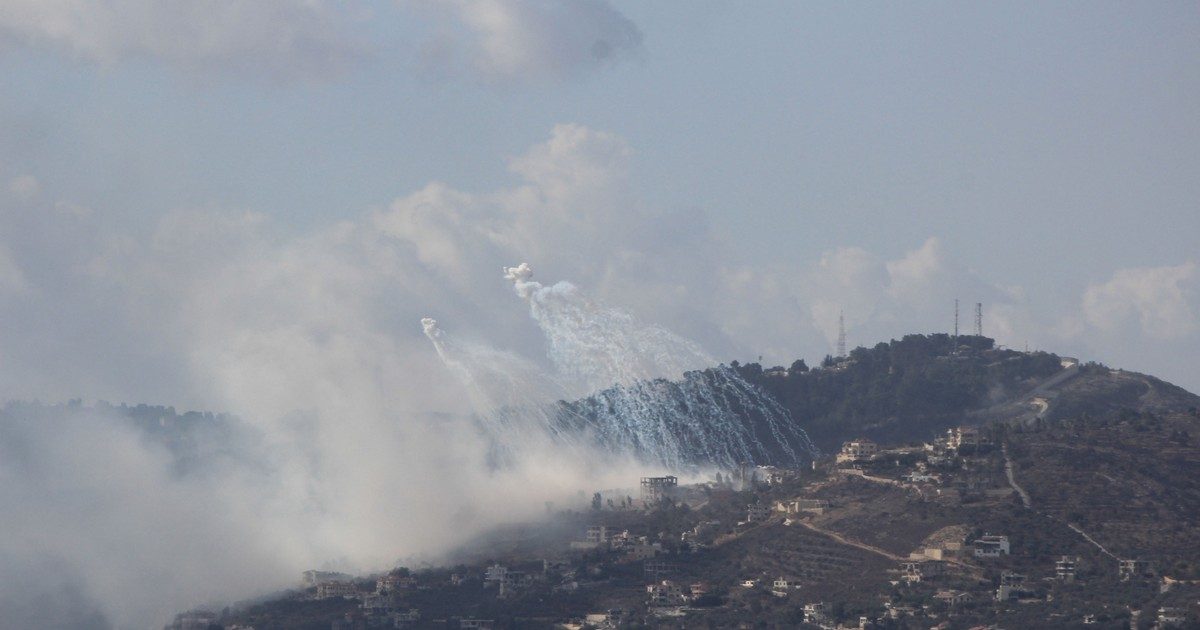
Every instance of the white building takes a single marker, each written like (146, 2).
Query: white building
(816, 614)
(330, 590)
(965, 437)
(313, 577)
(991, 546)
(858, 451)
(1065, 568)
(665, 593)
(782, 586)
(655, 489)
(1134, 569)
(494, 575)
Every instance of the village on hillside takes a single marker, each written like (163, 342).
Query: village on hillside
(971, 529)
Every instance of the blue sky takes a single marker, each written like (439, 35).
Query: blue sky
(776, 155)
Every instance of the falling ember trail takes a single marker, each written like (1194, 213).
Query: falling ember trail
(642, 390)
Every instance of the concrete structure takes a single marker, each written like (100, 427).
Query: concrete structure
(1169, 617)
(952, 597)
(494, 575)
(380, 603)
(657, 568)
(194, 620)
(960, 438)
(655, 489)
(1135, 569)
(330, 590)
(1065, 568)
(857, 451)
(644, 550)
(665, 593)
(774, 476)
(1012, 586)
(944, 551)
(991, 546)
(816, 613)
(782, 586)
(597, 534)
(406, 618)
(796, 506)
(608, 620)
(313, 577)
(757, 513)
(913, 572)
(394, 582)
(513, 581)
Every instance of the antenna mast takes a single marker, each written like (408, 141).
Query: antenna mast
(978, 319)
(841, 347)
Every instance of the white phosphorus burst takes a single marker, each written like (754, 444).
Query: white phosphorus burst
(619, 368)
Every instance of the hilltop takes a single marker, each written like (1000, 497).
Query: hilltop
(915, 387)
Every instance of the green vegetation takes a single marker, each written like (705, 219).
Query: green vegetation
(902, 390)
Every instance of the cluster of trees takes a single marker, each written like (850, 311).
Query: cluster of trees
(900, 390)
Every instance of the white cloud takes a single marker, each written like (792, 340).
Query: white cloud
(522, 40)
(919, 273)
(316, 340)
(1160, 301)
(24, 187)
(275, 38)
(12, 279)
(494, 41)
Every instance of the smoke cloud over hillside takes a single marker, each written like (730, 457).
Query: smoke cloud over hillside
(359, 447)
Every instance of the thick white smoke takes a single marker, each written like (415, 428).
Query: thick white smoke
(619, 368)
(599, 347)
(362, 449)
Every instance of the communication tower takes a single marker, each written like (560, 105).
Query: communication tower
(841, 347)
(978, 319)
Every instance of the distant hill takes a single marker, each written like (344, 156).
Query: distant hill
(912, 388)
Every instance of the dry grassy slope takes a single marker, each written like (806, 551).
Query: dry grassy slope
(1132, 481)
(879, 515)
(825, 566)
(1098, 391)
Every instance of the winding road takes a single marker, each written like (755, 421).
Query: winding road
(1008, 472)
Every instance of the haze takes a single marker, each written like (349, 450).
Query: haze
(249, 207)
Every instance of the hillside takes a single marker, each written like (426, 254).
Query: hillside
(908, 390)
(887, 541)
(1078, 469)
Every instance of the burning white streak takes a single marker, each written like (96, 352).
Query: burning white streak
(708, 418)
(599, 347)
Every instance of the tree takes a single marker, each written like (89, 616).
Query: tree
(798, 367)
(597, 501)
